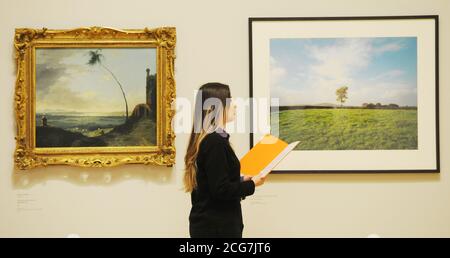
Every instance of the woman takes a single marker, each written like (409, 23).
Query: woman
(212, 172)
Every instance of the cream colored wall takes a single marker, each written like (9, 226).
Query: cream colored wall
(212, 46)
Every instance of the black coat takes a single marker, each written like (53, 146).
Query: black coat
(216, 202)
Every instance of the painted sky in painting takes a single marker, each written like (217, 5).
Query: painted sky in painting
(308, 71)
(66, 83)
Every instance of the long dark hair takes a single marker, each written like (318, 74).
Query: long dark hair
(210, 106)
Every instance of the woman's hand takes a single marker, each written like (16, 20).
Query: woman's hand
(258, 180)
(247, 178)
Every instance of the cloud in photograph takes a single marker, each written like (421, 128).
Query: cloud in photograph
(308, 71)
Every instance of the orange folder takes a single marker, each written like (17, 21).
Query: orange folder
(265, 155)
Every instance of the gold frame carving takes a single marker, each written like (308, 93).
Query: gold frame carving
(27, 156)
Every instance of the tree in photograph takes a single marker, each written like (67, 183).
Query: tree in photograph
(341, 94)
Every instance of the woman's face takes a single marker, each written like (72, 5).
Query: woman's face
(231, 112)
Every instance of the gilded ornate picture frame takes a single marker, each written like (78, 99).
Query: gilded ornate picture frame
(94, 97)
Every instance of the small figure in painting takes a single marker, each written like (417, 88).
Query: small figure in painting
(44, 121)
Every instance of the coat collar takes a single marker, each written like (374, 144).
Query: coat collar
(221, 131)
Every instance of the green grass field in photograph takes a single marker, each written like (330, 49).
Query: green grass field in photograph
(349, 129)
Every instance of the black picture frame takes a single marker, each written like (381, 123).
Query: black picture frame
(435, 18)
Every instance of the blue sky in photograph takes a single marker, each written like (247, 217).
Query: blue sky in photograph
(66, 83)
(308, 71)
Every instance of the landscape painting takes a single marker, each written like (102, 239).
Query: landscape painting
(345, 93)
(95, 97)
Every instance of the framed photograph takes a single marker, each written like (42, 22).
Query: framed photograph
(359, 93)
(94, 97)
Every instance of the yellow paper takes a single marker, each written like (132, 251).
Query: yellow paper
(262, 154)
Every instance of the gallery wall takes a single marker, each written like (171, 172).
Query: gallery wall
(212, 46)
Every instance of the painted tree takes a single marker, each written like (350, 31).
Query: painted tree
(96, 58)
(341, 94)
